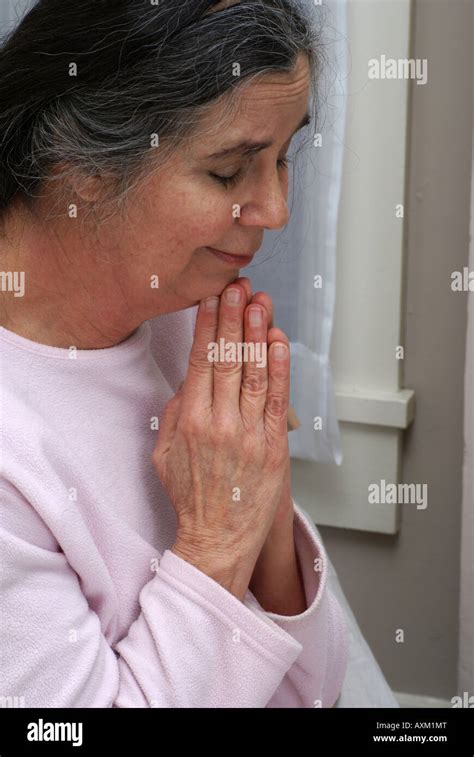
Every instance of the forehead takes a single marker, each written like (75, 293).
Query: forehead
(271, 100)
(278, 90)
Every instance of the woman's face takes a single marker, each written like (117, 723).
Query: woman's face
(104, 282)
(181, 210)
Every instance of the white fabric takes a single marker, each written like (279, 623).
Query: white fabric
(11, 12)
(289, 260)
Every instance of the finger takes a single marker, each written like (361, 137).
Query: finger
(276, 335)
(228, 367)
(253, 391)
(276, 406)
(198, 384)
(245, 282)
(262, 298)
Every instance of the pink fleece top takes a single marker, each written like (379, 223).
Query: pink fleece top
(96, 609)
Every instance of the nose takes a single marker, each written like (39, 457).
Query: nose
(268, 206)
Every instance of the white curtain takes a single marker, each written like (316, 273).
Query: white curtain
(11, 12)
(466, 620)
(289, 260)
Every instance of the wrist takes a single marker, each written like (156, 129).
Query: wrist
(282, 528)
(277, 580)
(226, 572)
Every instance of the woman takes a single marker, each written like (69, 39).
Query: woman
(152, 553)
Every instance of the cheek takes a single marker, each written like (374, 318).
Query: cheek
(200, 221)
(180, 216)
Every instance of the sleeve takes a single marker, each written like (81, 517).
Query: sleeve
(193, 644)
(316, 677)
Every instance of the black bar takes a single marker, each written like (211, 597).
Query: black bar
(358, 731)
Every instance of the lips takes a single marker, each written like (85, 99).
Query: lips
(234, 259)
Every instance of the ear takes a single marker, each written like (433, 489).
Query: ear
(89, 188)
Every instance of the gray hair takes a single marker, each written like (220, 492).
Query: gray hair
(91, 87)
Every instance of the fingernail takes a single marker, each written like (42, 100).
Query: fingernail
(232, 296)
(255, 317)
(279, 351)
(211, 303)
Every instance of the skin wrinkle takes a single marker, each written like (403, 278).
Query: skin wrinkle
(170, 217)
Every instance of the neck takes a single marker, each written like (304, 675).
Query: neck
(56, 292)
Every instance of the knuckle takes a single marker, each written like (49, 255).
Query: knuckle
(277, 405)
(227, 367)
(254, 382)
(199, 358)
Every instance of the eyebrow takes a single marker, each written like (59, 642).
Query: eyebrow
(248, 146)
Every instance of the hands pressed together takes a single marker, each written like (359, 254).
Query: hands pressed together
(222, 451)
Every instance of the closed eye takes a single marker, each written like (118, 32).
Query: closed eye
(229, 181)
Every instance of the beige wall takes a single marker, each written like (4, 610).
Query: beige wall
(466, 613)
(411, 581)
